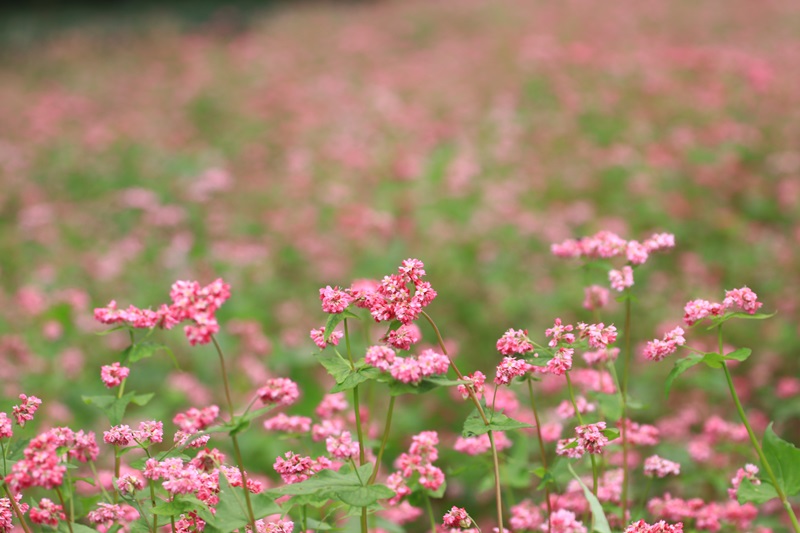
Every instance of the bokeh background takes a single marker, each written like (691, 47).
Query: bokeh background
(290, 145)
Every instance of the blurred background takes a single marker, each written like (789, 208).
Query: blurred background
(285, 146)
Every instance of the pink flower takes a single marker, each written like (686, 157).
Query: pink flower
(591, 437)
(570, 448)
(476, 382)
(334, 300)
(342, 447)
(195, 420)
(150, 432)
(697, 310)
(318, 336)
(748, 472)
(403, 337)
(480, 444)
(25, 411)
(6, 431)
(129, 484)
(48, 513)
(457, 517)
(279, 391)
(599, 336)
(659, 527)
(331, 404)
(656, 350)
(294, 468)
(525, 516)
(595, 297)
(659, 467)
(509, 369)
(563, 521)
(380, 357)
(119, 436)
(660, 241)
(743, 299)
(514, 342)
(561, 362)
(288, 424)
(113, 375)
(559, 333)
(621, 279)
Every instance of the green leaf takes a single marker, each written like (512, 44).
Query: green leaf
(334, 319)
(681, 366)
(717, 321)
(316, 525)
(355, 378)
(142, 399)
(611, 433)
(177, 506)
(739, 355)
(335, 365)
(142, 350)
(364, 496)
(784, 458)
(748, 492)
(76, 528)
(110, 330)
(232, 510)
(113, 407)
(474, 425)
(600, 521)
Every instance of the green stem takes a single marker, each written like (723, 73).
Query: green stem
(754, 441)
(387, 426)
(237, 452)
(151, 483)
(624, 394)
(71, 486)
(98, 482)
(63, 506)
(5, 466)
(117, 464)
(17, 511)
(359, 429)
(580, 422)
(431, 517)
(490, 433)
(542, 453)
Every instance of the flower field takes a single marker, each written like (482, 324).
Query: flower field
(403, 267)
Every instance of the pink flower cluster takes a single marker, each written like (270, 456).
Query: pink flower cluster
(621, 279)
(742, 299)
(660, 467)
(190, 301)
(107, 515)
(606, 244)
(403, 337)
(598, 336)
(342, 446)
(457, 517)
(656, 350)
(476, 381)
(595, 297)
(407, 369)
(41, 465)
(481, 444)
(48, 513)
(748, 472)
(391, 299)
(7, 512)
(563, 521)
(509, 369)
(288, 424)
(514, 341)
(590, 439)
(279, 391)
(24, 412)
(294, 468)
(6, 430)
(706, 516)
(114, 374)
(334, 300)
(659, 527)
(318, 336)
(419, 459)
(525, 516)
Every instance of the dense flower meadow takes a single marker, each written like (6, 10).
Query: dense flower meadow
(602, 337)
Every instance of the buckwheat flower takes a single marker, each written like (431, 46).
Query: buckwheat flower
(660, 241)
(85, 447)
(457, 517)
(476, 382)
(119, 436)
(295, 468)
(432, 362)
(413, 268)
(7, 512)
(48, 513)
(621, 279)
(639, 434)
(129, 484)
(195, 420)
(525, 516)
(288, 424)
(697, 310)
(566, 410)
(380, 357)
(563, 521)
(279, 391)
(424, 445)
(25, 411)
(190, 439)
(327, 428)
(397, 482)
(280, 526)
(150, 431)
(598, 335)
(595, 297)
(208, 460)
(636, 252)
(601, 356)
(591, 438)
(660, 467)
(403, 337)
(113, 375)
(560, 333)
(748, 472)
(431, 477)
(6, 431)
(109, 514)
(564, 447)
(334, 300)
(406, 370)
(318, 336)
(561, 362)
(743, 299)
(331, 404)
(363, 291)
(342, 447)
(234, 477)
(509, 369)
(659, 527)
(656, 350)
(514, 341)
(481, 444)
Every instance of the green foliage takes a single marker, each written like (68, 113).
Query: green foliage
(474, 424)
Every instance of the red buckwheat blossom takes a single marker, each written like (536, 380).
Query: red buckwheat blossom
(660, 467)
(656, 350)
(25, 411)
(514, 341)
(112, 375)
(457, 517)
(279, 391)
(48, 513)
